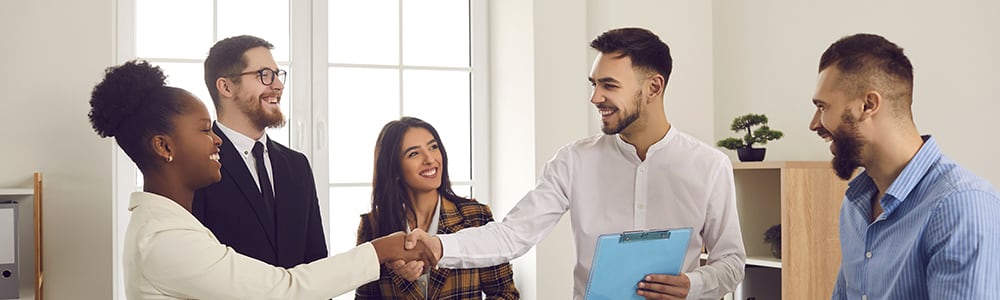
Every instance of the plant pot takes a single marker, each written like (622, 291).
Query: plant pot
(751, 154)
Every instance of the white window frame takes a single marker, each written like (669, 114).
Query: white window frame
(308, 133)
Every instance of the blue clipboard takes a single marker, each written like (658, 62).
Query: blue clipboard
(621, 260)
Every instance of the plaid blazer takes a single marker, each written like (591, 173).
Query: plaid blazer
(497, 282)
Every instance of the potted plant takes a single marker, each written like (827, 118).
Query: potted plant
(744, 147)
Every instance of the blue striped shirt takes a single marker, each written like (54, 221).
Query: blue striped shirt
(937, 238)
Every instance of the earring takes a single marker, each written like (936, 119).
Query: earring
(170, 158)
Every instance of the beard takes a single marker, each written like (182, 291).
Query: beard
(625, 121)
(847, 156)
(259, 116)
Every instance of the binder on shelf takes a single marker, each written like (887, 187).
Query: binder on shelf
(9, 272)
(621, 260)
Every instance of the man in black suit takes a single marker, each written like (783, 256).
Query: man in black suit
(265, 206)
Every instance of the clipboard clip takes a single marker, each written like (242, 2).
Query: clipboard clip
(642, 235)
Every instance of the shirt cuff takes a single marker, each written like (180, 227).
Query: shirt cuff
(697, 284)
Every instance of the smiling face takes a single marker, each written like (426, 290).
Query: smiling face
(617, 92)
(195, 146)
(420, 160)
(258, 101)
(836, 123)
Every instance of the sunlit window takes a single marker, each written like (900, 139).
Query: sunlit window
(383, 59)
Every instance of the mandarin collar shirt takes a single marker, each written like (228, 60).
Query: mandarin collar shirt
(683, 182)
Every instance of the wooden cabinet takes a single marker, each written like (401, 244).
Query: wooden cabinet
(804, 197)
(24, 253)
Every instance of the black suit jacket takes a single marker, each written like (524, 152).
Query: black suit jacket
(234, 210)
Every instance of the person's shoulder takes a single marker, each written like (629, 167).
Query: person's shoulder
(595, 142)
(289, 153)
(695, 150)
(953, 179)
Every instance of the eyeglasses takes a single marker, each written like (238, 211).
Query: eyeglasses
(266, 75)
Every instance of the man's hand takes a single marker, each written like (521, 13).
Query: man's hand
(407, 270)
(390, 249)
(663, 286)
(429, 241)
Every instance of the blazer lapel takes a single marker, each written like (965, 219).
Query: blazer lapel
(236, 168)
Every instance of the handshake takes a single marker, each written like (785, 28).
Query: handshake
(408, 255)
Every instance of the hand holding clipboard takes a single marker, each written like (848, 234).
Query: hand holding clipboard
(621, 260)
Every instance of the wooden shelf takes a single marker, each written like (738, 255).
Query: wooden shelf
(767, 262)
(804, 198)
(762, 165)
(17, 192)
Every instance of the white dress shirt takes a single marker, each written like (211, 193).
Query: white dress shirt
(170, 255)
(682, 183)
(244, 145)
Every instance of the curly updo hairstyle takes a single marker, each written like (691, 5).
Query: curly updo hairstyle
(132, 104)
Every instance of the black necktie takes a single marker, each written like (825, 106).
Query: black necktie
(265, 181)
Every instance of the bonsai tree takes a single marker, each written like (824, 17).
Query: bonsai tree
(759, 136)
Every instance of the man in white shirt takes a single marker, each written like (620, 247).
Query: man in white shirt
(642, 174)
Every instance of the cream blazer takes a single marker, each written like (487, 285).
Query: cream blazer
(169, 255)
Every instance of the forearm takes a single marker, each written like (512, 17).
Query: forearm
(714, 280)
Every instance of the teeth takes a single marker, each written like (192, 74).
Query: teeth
(605, 112)
(214, 156)
(430, 172)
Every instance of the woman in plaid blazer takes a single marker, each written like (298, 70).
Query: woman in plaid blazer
(411, 189)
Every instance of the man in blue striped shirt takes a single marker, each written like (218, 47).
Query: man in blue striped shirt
(913, 224)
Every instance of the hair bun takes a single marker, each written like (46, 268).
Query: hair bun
(120, 94)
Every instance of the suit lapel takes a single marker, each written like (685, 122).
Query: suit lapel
(236, 168)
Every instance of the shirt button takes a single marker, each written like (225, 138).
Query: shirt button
(864, 297)
(868, 254)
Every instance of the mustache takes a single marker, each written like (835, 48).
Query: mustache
(822, 132)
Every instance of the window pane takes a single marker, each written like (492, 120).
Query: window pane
(361, 102)
(364, 32)
(346, 206)
(462, 190)
(266, 19)
(442, 99)
(159, 24)
(436, 33)
(190, 77)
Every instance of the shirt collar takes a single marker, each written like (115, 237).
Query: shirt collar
(628, 150)
(907, 180)
(862, 186)
(243, 143)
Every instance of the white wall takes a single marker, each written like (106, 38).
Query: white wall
(53, 53)
(767, 53)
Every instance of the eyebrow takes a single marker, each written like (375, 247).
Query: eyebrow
(603, 80)
(415, 147)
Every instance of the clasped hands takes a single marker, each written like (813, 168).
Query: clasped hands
(408, 255)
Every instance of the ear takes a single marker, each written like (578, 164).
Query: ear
(162, 147)
(655, 87)
(224, 86)
(871, 104)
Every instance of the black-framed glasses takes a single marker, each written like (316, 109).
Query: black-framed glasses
(266, 75)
